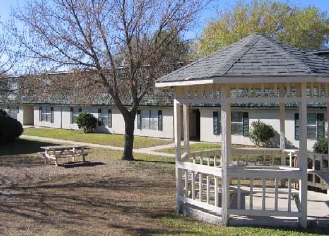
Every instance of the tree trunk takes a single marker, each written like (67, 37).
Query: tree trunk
(129, 137)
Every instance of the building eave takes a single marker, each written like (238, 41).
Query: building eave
(183, 83)
(246, 80)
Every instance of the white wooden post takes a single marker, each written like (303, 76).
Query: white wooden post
(186, 125)
(226, 151)
(179, 173)
(282, 133)
(327, 121)
(282, 139)
(302, 159)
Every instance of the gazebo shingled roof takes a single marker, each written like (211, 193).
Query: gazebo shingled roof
(256, 55)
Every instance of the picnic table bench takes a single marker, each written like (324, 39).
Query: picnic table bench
(56, 152)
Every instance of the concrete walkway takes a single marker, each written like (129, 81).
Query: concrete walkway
(150, 150)
(317, 214)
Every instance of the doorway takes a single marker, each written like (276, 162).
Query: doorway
(195, 124)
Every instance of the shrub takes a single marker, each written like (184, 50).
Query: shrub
(3, 113)
(10, 129)
(321, 146)
(87, 122)
(261, 134)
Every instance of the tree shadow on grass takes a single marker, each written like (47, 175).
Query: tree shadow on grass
(81, 164)
(22, 146)
(54, 201)
(22, 153)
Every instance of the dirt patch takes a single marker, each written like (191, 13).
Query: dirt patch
(103, 197)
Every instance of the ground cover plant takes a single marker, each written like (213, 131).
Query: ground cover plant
(107, 196)
(87, 122)
(97, 138)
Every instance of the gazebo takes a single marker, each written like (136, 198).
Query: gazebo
(225, 184)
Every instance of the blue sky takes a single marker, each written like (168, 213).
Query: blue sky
(6, 5)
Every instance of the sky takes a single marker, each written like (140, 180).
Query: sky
(323, 5)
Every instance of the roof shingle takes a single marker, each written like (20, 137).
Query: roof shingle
(255, 55)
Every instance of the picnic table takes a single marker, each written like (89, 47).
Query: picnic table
(56, 152)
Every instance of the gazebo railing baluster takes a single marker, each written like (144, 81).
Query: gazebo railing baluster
(289, 195)
(276, 193)
(263, 194)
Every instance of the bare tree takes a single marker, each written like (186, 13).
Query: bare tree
(105, 36)
(8, 59)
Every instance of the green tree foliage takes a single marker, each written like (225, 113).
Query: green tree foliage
(305, 28)
(87, 122)
(261, 134)
(321, 146)
(10, 129)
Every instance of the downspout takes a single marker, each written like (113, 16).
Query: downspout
(61, 117)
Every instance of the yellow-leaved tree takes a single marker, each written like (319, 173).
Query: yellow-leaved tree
(305, 28)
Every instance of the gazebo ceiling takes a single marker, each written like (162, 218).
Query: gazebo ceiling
(254, 59)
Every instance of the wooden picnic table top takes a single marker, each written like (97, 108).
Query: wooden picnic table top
(47, 148)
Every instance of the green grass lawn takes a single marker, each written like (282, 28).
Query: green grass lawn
(200, 228)
(97, 138)
(194, 147)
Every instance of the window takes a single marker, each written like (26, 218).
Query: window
(74, 112)
(13, 111)
(315, 126)
(239, 123)
(105, 117)
(149, 119)
(46, 114)
(13, 86)
(311, 126)
(236, 122)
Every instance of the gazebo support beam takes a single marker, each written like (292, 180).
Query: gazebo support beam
(327, 119)
(226, 151)
(302, 159)
(179, 174)
(282, 137)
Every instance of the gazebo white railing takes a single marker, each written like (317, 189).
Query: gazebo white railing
(255, 184)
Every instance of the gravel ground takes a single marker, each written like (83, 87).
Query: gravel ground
(104, 197)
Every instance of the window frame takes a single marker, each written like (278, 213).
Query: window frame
(150, 119)
(319, 126)
(244, 123)
(13, 111)
(105, 117)
(46, 114)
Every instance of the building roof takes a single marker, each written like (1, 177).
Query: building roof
(322, 53)
(254, 56)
